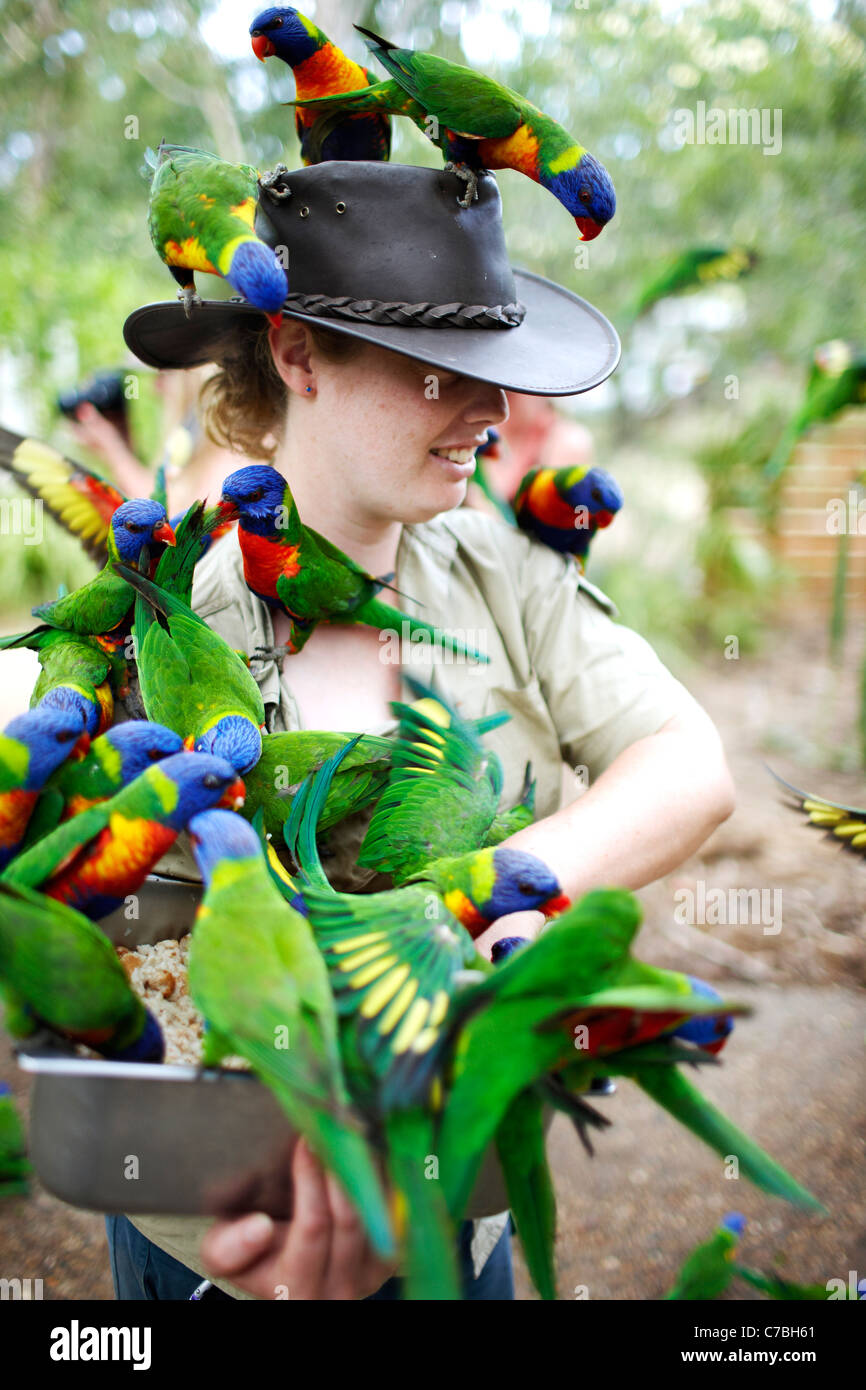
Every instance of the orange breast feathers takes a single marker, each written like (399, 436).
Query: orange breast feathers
(516, 151)
(265, 560)
(327, 71)
(15, 808)
(545, 503)
(119, 858)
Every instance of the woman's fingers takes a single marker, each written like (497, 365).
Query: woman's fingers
(230, 1247)
(308, 1243)
(348, 1246)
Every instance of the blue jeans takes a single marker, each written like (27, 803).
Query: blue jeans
(141, 1270)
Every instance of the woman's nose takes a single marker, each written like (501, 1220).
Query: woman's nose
(489, 405)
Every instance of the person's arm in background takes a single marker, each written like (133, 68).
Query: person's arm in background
(103, 439)
(658, 781)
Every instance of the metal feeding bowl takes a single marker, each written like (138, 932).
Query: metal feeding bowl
(147, 1138)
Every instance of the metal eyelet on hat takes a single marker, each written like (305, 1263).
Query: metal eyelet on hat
(304, 211)
(340, 207)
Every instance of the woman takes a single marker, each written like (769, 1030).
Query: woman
(375, 434)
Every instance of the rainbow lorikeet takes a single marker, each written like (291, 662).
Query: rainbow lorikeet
(75, 674)
(32, 747)
(191, 680)
(698, 267)
(710, 1267)
(96, 859)
(320, 68)
(79, 499)
(201, 217)
(534, 999)
(102, 604)
(775, 1287)
(257, 976)
(58, 970)
(564, 507)
(836, 380)
(442, 795)
(847, 823)
(396, 957)
(14, 1164)
(479, 124)
(287, 758)
(291, 567)
(117, 757)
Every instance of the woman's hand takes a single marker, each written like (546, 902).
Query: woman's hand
(322, 1253)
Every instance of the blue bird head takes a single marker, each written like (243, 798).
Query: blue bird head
(234, 738)
(138, 524)
(281, 31)
(735, 1222)
(202, 781)
(140, 743)
(587, 191)
(599, 493)
(256, 273)
(506, 946)
(64, 697)
(216, 836)
(149, 1046)
(707, 1031)
(522, 882)
(255, 495)
(49, 735)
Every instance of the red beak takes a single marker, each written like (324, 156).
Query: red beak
(554, 906)
(81, 747)
(588, 228)
(189, 743)
(602, 518)
(274, 319)
(234, 796)
(262, 47)
(227, 509)
(165, 533)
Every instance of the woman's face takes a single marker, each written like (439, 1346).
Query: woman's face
(379, 425)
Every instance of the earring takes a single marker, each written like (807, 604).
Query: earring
(308, 388)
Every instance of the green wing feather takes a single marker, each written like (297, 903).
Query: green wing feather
(523, 1156)
(429, 1257)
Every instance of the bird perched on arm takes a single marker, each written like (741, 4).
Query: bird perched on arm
(294, 568)
(564, 507)
(320, 68)
(201, 217)
(836, 380)
(480, 124)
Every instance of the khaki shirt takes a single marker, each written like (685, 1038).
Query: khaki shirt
(579, 687)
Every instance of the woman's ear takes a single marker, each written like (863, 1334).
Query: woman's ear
(290, 346)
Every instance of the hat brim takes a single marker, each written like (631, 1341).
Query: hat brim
(564, 346)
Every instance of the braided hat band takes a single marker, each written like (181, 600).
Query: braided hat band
(423, 315)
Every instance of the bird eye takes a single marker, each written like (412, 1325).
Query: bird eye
(255, 496)
(585, 195)
(65, 736)
(526, 887)
(154, 754)
(211, 779)
(133, 528)
(596, 494)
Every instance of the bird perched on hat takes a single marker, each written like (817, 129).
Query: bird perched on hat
(480, 124)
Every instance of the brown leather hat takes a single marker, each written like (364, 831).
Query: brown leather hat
(386, 252)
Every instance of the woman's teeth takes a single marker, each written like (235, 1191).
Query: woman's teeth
(455, 455)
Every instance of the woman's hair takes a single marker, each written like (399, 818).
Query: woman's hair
(244, 403)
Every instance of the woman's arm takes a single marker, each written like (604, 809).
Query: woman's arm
(655, 804)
